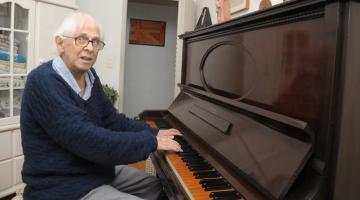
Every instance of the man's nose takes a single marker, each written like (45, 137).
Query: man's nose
(89, 46)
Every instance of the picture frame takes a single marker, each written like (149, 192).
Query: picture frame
(147, 32)
(239, 5)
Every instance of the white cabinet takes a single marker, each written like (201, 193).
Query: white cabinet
(18, 163)
(5, 145)
(17, 30)
(5, 174)
(11, 161)
(26, 39)
(17, 149)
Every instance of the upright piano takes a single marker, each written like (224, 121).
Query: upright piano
(268, 107)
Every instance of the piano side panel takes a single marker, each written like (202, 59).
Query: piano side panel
(347, 180)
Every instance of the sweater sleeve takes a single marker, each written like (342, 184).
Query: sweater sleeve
(119, 122)
(69, 126)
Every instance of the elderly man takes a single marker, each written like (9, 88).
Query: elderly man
(72, 135)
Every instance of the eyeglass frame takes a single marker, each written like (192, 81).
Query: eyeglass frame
(88, 41)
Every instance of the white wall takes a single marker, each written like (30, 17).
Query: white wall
(186, 22)
(111, 14)
(45, 29)
(254, 5)
(150, 70)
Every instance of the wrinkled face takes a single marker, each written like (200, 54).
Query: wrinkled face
(79, 59)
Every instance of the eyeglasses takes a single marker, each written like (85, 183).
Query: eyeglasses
(83, 41)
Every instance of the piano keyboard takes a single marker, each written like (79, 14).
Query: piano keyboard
(200, 180)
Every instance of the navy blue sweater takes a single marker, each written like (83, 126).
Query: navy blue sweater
(71, 145)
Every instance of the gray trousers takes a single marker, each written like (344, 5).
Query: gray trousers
(129, 184)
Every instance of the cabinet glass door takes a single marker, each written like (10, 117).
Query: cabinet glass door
(4, 96)
(4, 53)
(5, 14)
(5, 45)
(21, 17)
(14, 54)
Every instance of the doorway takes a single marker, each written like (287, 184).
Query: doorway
(149, 72)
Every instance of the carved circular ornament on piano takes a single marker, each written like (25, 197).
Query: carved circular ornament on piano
(239, 62)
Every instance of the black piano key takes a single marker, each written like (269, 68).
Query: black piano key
(216, 187)
(200, 168)
(187, 148)
(223, 194)
(198, 164)
(188, 154)
(192, 159)
(196, 159)
(191, 155)
(180, 139)
(184, 144)
(211, 180)
(204, 185)
(226, 198)
(206, 174)
(190, 151)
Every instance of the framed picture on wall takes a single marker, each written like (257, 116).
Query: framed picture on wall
(147, 32)
(239, 5)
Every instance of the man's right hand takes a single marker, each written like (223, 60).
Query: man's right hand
(165, 140)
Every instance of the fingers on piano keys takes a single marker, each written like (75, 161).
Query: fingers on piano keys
(200, 178)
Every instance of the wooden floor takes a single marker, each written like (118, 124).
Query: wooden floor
(139, 165)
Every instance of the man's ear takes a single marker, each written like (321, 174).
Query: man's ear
(59, 44)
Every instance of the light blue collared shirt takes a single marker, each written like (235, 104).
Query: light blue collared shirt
(60, 68)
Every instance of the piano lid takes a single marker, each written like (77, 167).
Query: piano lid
(267, 152)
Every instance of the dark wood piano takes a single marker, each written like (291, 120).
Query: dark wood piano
(268, 107)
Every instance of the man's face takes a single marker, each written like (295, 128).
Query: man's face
(79, 59)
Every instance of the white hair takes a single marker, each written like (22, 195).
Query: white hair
(75, 21)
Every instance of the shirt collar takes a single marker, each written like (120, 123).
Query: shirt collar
(60, 67)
